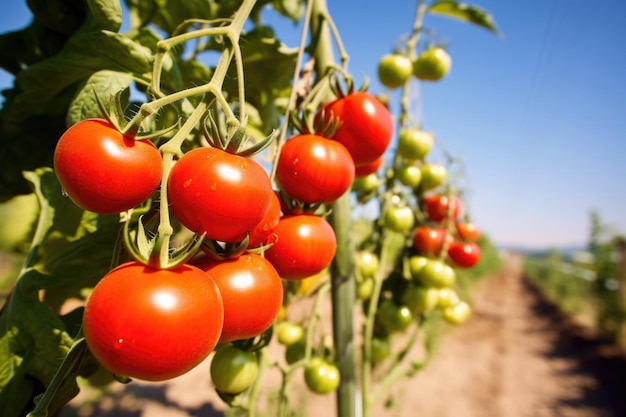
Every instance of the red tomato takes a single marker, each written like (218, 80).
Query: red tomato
(252, 293)
(314, 169)
(437, 207)
(153, 324)
(467, 231)
(258, 236)
(464, 254)
(103, 171)
(370, 168)
(366, 125)
(305, 245)
(428, 240)
(223, 195)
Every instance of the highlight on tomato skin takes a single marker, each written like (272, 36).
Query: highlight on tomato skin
(153, 324)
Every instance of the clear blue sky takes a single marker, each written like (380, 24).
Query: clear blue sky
(538, 116)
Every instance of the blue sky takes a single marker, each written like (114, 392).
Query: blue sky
(538, 116)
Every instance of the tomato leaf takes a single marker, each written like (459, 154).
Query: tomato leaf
(465, 12)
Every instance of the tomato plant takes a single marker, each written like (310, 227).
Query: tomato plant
(243, 282)
(103, 171)
(314, 169)
(394, 70)
(432, 64)
(233, 370)
(153, 324)
(321, 377)
(305, 245)
(221, 195)
(366, 125)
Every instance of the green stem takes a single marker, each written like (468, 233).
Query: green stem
(411, 45)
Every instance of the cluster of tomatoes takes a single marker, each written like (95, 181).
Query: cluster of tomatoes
(432, 64)
(156, 323)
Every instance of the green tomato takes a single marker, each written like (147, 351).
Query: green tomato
(414, 144)
(432, 64)
(421, 299)
(321, 377)
(367, 263)
(447, 298)
(366, 184)
(458, 313)
(233, 370)
(433, 175)
(365, 288)
(289, 333)
(437, 274)
(416, 263)
(409, 175)
(394, 70)
(399, 219)
(394, 318)
(381, 349)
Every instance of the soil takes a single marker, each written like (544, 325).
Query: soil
(517, 356)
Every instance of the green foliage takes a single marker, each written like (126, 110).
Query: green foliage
(464, 12)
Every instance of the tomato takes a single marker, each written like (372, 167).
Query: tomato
(399, 219)
(393, 317)
(153, 324)
(458, 313)
(313, 169)
(432, 64)
(428, 240)
(321, 377)
(222, 195)
(305, 246)
(104, 172)
(366, 184)
(233, 370)
(365, 288)
(467, 231)
(366, 125)
(439, 207)
(381, 349)
(289, 333)
(416, 263)
(252, 293)
(409, 175)
(433, 175)
(259, 235)
(420, 299)
(366, 263)
(394, 70)
(414, 144)
(464, 254)
(369, 168)
(437, 274)
(447, 297)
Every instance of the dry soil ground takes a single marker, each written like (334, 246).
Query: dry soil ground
(518, 356)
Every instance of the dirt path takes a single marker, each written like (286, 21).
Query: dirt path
(516, 357)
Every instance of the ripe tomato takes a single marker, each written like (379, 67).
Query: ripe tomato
(467, 231)
(223, 195)
(464, 254)
(153, 324)
(399, 219)
(258, 236)
(252, 293)
(439, 207)
(414, 144)
(366, 125)
(433, 175)
(428, 240)
(321, 377)
(314, 169)
(103, 171)
(305, 246)
(369, 168)
(437, 274)
(394, 70)
(233, 370)
(432, 64)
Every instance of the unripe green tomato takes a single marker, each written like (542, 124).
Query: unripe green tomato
(414, 144)
(399, 219)
(394, 318)
(233, 370)
(365, 288)
(409, 175)
(366, 184)
(433, 175)
(321, 376)
(447, 298)
(381, 349)
(432, 64)
(289, 333)
(416, 263)
(421, 299)
(437, 274)
(367, 263)
(394, 70)
(458, 313)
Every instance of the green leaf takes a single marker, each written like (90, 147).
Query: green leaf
(103, 83)
(293, 9)
(464, 12)
(101, 15)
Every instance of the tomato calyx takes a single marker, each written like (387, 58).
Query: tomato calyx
(290, 205)
(257, 343)
(221, 251)
(235, 140)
